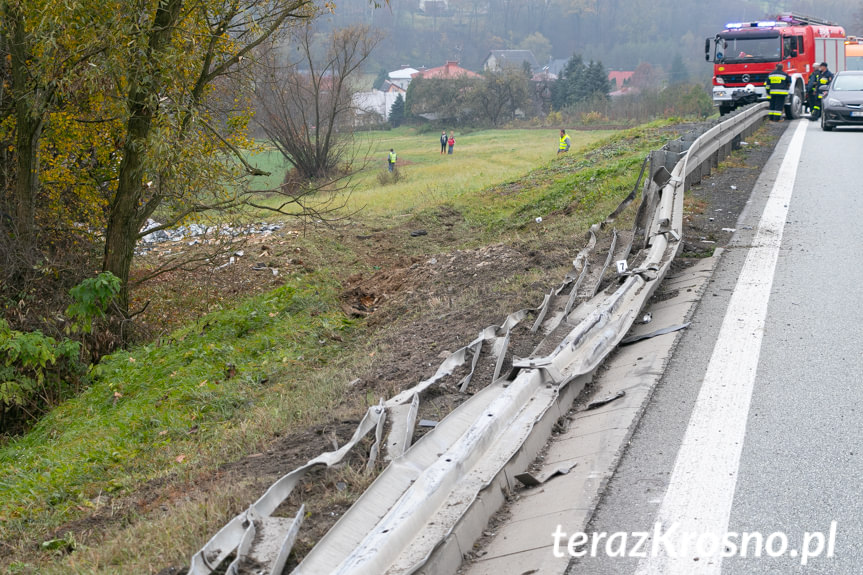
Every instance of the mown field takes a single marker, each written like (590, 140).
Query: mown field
(128, 477)
(428, 179)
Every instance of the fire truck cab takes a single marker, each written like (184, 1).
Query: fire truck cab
(745, 53)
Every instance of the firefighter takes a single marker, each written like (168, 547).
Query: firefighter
(777, 88)
(824, 77)
(391, 160)
(812, 91)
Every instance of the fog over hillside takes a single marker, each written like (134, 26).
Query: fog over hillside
(620, 33)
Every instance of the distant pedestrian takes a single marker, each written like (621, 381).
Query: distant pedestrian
(564, 142)
(391, 160)
(451, 142)
(443, 141)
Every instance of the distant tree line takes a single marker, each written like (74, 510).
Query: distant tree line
(500, 97)
(580, 82)
(491, 100)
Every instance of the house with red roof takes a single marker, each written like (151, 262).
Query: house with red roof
(449, 71)
(618, 78)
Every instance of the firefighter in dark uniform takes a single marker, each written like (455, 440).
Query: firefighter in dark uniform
(824, 77)
(777, 88)
(812, 91)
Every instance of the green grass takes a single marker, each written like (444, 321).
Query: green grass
(480, 159)
(269, 160)
(429, 179)
(158, 408)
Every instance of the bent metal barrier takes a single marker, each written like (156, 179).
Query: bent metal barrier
(435, 497)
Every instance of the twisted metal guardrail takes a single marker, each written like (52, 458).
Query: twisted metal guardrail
(434, 498)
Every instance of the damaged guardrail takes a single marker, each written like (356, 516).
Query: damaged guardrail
(425, 506)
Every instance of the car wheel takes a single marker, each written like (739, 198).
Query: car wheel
(794, 109)
(824, 125)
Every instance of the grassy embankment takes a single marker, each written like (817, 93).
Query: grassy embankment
(170, 413)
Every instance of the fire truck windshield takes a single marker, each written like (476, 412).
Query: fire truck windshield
(737, 48)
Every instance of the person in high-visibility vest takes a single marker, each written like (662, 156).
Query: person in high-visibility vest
(777, 88)
(564, 142)
(824, 77)
(391, 160)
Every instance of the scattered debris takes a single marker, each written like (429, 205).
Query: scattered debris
(663, 331)
(417, 233)
(605, 401)
(427, 423)
(732, 230)
(199, 233)
(529, 480)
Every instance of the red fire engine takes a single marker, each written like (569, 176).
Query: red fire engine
(746, 52)
(853, 53)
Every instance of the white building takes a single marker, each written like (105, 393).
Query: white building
(376, 102)
(402, 77)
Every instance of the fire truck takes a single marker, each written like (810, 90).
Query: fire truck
(854, 53)
(745, 53)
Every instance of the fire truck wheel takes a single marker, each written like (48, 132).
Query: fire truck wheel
(794, 109)
(725, 109)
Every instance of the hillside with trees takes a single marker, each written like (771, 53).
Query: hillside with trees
(619, 33)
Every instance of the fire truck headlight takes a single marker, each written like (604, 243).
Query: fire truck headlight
(720, 80)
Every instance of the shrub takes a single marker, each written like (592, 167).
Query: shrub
(386, 177)
(90, 300)
(36, 373)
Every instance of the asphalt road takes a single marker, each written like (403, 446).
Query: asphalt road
(757, 426)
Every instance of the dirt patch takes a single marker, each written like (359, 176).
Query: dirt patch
(714, 204)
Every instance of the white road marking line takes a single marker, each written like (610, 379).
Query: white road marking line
(701, 488)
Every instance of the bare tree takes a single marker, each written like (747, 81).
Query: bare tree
(500, 94)
(306, 106)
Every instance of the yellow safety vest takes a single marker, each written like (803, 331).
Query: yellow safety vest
(564, 143)
(392, 157)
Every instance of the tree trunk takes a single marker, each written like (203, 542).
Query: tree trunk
(29, 124)
(29, 130)
(127, 211)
